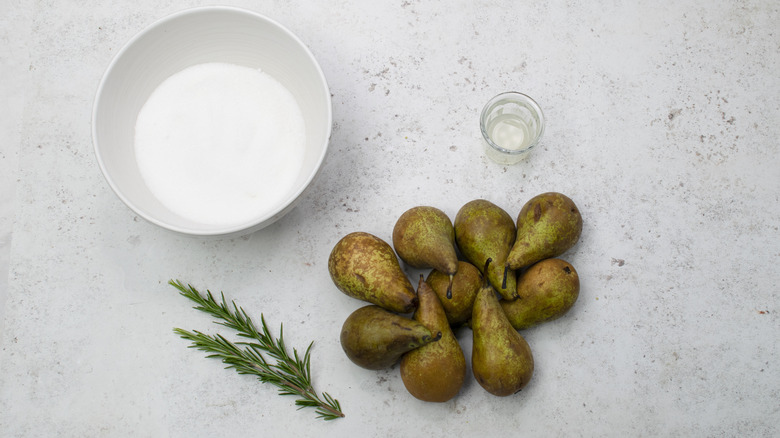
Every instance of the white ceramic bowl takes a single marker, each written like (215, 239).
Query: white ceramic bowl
(196, 36)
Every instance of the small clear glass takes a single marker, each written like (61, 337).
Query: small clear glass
(512, 124)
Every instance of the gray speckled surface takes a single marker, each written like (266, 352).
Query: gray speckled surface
(662, 126)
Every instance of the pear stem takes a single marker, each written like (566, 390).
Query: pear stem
(449, 287)
(485, 281)
(506, 270)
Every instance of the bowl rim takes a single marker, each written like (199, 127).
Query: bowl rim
(266, 218)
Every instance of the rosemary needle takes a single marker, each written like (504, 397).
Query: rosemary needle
(291, 374)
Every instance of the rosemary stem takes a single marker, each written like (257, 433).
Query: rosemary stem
(290, 373)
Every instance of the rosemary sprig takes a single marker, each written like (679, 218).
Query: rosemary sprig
(291, 374)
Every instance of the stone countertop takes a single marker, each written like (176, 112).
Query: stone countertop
(662, 127)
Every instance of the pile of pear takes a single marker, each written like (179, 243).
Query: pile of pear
(489, 272)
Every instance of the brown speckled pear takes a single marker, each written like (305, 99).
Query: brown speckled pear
(424, 237)
(484, 231)
(548, 289)
(365, 267)
(465, 286)
(434, 372)
(374, 338)
(501, 359)
(547, 226)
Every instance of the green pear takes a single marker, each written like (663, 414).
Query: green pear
(484, 231)
(434, 372)
(365, 267)
(374, 338)
(548, 289)
(465, 285)
(424, 237)
(547, 226)
(501, 359)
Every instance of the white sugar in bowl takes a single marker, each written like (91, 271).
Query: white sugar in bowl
(164, 176)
